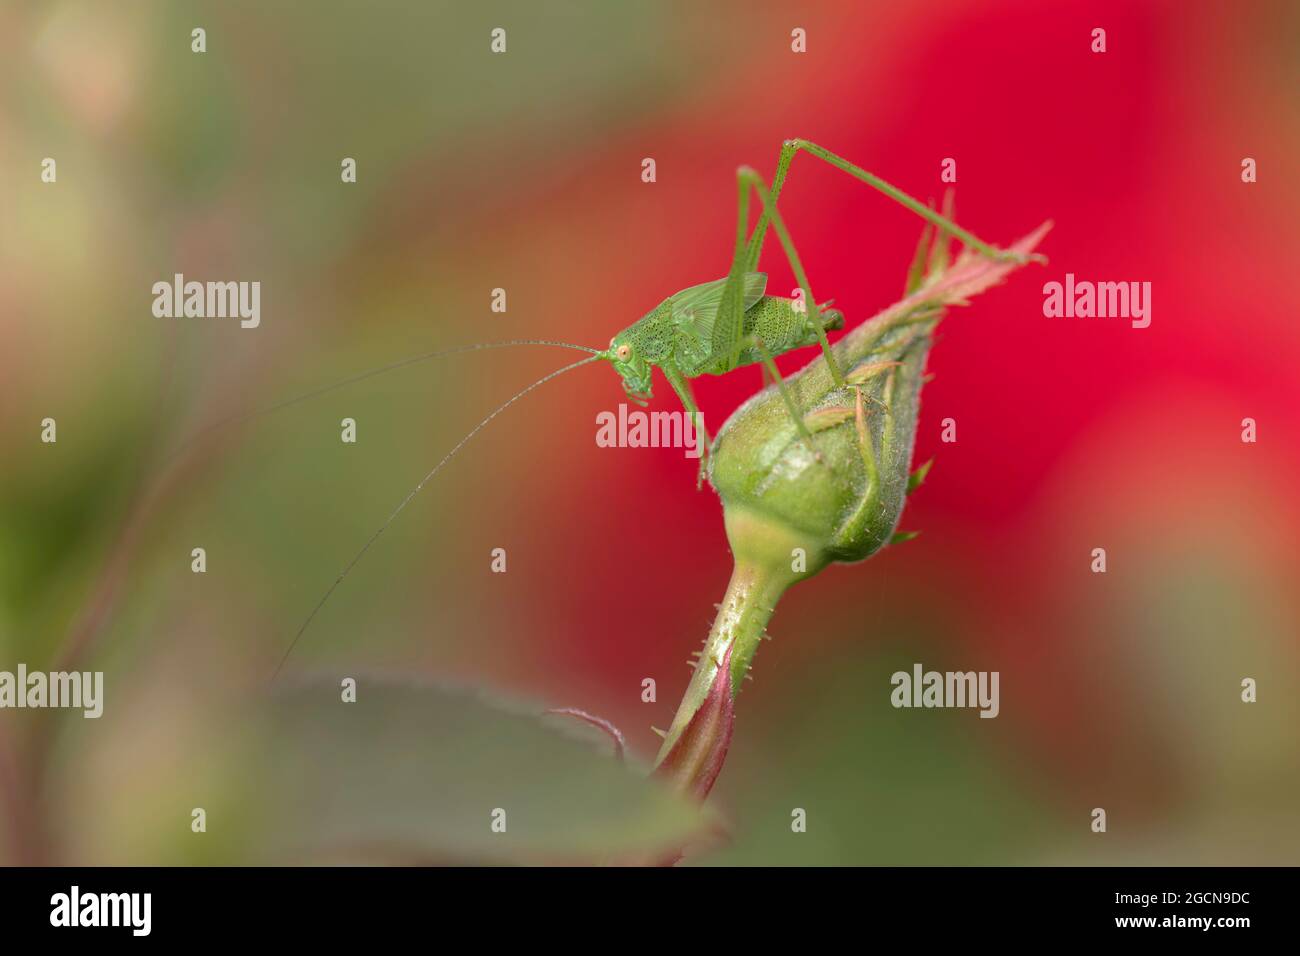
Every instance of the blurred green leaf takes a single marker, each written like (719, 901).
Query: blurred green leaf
(415, 773)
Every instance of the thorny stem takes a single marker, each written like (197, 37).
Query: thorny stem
(761, 575)
(775, 508)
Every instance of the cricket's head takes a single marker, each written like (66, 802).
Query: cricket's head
(623, 353)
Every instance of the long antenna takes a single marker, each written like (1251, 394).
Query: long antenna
(361, 376)
(415, 491)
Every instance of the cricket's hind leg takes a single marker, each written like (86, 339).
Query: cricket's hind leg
(946, 225)
(748, 178)
(729, 321)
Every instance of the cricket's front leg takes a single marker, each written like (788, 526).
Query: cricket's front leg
(682, 386)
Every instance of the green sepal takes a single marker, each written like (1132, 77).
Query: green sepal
(917, 478)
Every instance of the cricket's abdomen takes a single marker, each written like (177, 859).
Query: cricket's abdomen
(782, 326)
(777, 322)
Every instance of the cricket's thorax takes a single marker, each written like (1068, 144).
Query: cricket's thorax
(652, 335)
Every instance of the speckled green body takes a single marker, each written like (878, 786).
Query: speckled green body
(778, 322)
(682, 337)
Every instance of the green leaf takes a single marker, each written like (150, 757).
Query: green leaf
(412, 772)
(821, 419)
(917, 478)
(864, 372)
(916, 271)
(941, 250)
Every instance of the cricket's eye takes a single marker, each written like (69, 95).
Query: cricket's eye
(623, 352)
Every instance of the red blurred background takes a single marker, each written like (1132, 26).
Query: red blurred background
(1072, 433)
(1119, 690)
